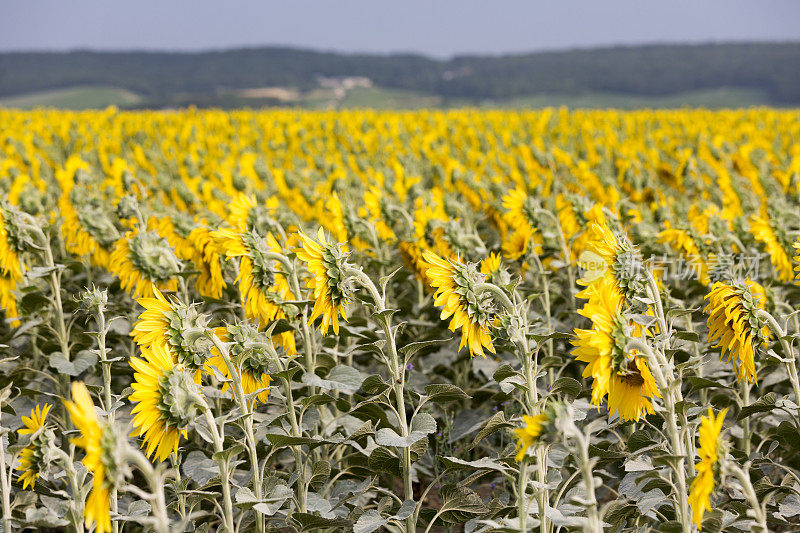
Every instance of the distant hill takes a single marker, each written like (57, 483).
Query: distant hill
(757, 73)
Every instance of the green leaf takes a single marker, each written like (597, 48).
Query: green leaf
(287, 440)
(422, 425)
(374, 384)
(341, 377)
(409, 350)
(504, 372)
(764, 404)
(493, 425)
(83, 360)
(383, 460)
(370, 521)
(484, 463)
(227, 453)
(567, 386)
(459, 504)
(541, 339)
(445, 392)
(320, 473)
(310, 522)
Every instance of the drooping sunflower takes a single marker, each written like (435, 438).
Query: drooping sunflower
(207, 261)
(246, 213)
(521, 209)
(165, 399)
(168, 324)
(733, 322)
(625, 377)
(98, 441)
(528, 435)
(765, 234)
(32, 456)
(797, 259)
(10, 246)
(378, 213)
(606, 256)
(144, 262)
(8, 300)
(682, 242)
(249, 352)
(332, 291)
(473, 312)
(707, 467)
(263, 287)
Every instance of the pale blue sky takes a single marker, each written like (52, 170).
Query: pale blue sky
(435, 27)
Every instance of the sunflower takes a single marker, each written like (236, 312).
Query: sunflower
(8, 300)
(412, 258)
(144, 262)
(765, 234)
(165, 397)
(10, 245)
(797, 259)
(734, 324)
(378, 213)
(528, 435)
(249, 351)
(680, 241)
(624, 377)
(246, 213)
(521, 209)
(707, 468)
(98, 441)
(492, 268)
(32, 456)
(263, 287)
(207, 261)
(332, 291)
(612, 258)
(176, 328)
(455, 291)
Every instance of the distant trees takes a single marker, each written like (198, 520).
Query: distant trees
(178, 78)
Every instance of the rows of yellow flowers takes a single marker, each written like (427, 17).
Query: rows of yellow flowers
(647, 255)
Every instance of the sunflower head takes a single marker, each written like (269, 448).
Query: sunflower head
(710, 451)
(144, 262)
(152, 256)
(473, 311)
(333, 288)
(521, 208)
(797, 260)
(166, 399)
(103, 447)
(734, 323)
(179, 327)
(618, 372)
(35, 457)
(530, 433)
(605, 253)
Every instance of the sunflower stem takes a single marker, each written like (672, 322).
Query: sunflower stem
(522, 500)
(298, 458)
(398, 377)
(155, 478)
(755, 507)
(791, 362)
(4, 487)
(658, 363)
(247, 417)
(222, 463)
(106, 367)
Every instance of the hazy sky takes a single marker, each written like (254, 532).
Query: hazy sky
(435, 27)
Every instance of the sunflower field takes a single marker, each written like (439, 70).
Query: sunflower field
(364, 321)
